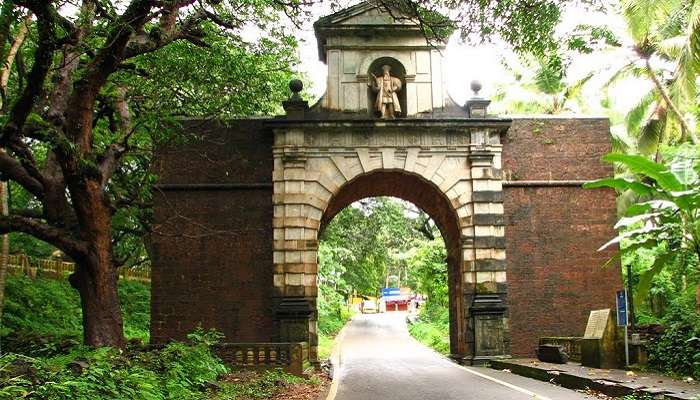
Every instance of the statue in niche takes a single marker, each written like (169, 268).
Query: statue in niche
(387, 87)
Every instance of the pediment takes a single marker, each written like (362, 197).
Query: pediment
(365, 13)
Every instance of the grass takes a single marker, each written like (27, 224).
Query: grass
(325, 346)
(42, 316)
(329, 327)
(433, 328)
(257, 385)
(42, 330)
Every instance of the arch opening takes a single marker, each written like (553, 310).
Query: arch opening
(425, 196)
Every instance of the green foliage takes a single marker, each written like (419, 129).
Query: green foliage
(43, 316)
(433, 327)
(678, 349)
(668, 220)
(365, 243)
(428, 271)
(232, 78)
(178, 371)
(586, 39)
(333, 313)
(660, 242)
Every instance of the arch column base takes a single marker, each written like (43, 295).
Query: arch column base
(488, 322)
(293, 316)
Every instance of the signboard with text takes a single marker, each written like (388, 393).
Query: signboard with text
(389, 292)
(622, 317)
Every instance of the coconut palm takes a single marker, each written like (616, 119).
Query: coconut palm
(666, 31)
(540, 88)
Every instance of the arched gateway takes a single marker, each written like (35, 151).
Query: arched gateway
(239, 212)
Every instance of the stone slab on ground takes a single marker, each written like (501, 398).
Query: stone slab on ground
(611, 382)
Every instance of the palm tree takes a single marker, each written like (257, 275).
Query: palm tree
(669, 31)
(541, 87)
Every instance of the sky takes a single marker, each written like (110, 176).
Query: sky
(462, 67)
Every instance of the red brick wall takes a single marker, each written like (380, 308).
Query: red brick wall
(212, 253)
(552, 233)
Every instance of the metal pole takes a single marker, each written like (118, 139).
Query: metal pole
(630, 302)
(627, 349)
(627, 323)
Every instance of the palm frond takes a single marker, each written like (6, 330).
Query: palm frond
(652, 132)
(622, 142)
(631, 70)
(672, 47)
(575, 89)
(642, 14)
(641, 111)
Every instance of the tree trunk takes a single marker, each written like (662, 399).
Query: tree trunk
(4, 257)
(96, 277)
(671, 105)
(96, 282)
(10, 58)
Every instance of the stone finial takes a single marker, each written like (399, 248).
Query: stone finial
(476, 88)
(296, 86)
(477, 107)
(296, 106)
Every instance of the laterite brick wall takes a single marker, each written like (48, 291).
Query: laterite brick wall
(553, 233)
(212, 253)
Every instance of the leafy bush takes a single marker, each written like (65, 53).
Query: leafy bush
(135, 298)
(333, 314)
(332, 311)
(433, 327)
(178, 371)
(678, 349)
(42, 317)
(428, 271)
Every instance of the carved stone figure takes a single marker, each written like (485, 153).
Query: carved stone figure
(387, 87)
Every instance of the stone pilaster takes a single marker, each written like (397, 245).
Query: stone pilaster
(485, 259)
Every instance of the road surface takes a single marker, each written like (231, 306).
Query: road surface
(378, 359)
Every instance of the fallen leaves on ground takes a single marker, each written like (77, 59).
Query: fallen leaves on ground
(305, 391)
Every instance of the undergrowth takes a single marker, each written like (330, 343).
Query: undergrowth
(677, 351)
(333, 314)
(432, 328)
(178, 371)
(42, 317)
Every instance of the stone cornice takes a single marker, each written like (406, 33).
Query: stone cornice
(485, 123)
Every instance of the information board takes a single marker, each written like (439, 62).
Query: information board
(622, 318)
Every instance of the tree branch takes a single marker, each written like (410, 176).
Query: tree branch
(13, 169)
(167, 32)
(47, 233)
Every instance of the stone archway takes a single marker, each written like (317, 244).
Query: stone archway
(450, 169)
(428, 197)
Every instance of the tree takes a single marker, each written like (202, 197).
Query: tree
(529, 27)
(670, 222)
(670, 31)
(543, 89)
(369, 241)
(80, 122)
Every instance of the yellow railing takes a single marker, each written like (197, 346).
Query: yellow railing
(32, 266)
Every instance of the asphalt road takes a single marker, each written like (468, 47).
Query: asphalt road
(380, 360)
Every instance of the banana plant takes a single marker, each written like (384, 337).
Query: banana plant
(671, 214)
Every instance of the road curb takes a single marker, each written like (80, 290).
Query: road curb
(335, 362)
(579, 382)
